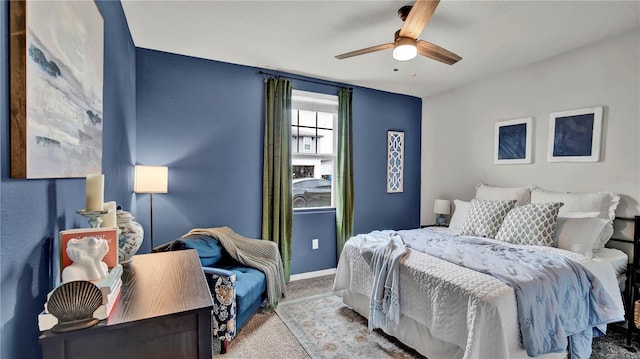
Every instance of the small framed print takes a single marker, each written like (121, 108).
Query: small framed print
(574, 136)
(513, 141)
(395, 161)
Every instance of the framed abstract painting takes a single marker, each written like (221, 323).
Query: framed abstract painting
(395, 161)
(512, 143)
(56, 77)
(574, 136)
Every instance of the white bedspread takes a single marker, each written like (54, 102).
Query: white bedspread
(449, 311)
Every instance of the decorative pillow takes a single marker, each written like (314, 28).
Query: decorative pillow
(579, 234)
(521, 194)
(485, 217)
(209, 250)
(604, 203)
(533, 224)
(460, 214)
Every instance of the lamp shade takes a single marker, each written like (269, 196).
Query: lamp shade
(151, 179)
(441, 206)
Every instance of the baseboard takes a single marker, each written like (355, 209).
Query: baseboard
(307, 275)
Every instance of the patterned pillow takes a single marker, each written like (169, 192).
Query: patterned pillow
(485, 217)
(532, 224)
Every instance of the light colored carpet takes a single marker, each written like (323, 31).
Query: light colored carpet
(265, 335)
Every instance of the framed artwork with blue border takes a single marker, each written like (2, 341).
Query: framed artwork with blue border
(574, 136)
(513, 141)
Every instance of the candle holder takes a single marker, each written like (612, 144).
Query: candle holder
(95, 217)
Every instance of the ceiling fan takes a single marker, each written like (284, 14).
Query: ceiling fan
(406, 44)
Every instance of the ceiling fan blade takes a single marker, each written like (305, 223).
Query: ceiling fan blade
(418, 18)
(437, 53)
(365, 51)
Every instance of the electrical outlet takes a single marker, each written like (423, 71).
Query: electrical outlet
(314, 243)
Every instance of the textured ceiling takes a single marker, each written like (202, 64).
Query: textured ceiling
(302, 37)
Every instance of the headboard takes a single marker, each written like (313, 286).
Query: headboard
(626, 232)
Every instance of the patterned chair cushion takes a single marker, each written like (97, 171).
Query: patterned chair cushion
(533, 224)
(485, 217)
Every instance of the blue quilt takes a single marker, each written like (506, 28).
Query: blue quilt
(560, 303)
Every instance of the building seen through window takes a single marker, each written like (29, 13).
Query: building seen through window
(313, 147)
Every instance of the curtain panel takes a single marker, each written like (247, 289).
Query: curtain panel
(344, 195)
(277, 206)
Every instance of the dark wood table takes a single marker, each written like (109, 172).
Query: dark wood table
(164, 311)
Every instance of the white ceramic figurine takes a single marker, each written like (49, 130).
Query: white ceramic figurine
(86, 254)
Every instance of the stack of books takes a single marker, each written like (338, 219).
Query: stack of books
(110, 287)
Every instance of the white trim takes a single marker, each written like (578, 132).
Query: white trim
(307, 275)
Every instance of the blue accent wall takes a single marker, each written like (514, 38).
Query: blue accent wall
(204, 119)
(33, 211)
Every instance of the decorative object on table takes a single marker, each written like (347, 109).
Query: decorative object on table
(395, 161)
(86, 255)
(56, 116)
(95, 217)
(574, 136)
(109, 220)
(513, 141)
(151, 179)
(130, 237)
(73, 305)
(441, 207)
(108, 234)
(94, 192)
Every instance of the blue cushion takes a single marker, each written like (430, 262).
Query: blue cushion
(250, 284)
(209, 250)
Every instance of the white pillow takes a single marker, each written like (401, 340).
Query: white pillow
(460, 214)
(604, 203)
(533, 224)
(485, 217)
(579, 235)
(522, 195)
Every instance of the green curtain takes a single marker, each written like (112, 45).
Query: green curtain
(277, 206)
(344, 195)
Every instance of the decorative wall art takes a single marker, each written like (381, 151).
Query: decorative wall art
(395, 161)
(56, 66)
(513, 141)
(574, 136)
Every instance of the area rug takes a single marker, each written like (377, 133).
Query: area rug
(326, 328)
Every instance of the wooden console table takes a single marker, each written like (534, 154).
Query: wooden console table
(164, 311)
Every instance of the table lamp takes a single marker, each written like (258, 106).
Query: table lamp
(441, 207)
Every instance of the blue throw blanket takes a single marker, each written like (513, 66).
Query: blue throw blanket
(560, 303)
(382, 250)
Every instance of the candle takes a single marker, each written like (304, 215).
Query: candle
(95, 192)
(109, 219)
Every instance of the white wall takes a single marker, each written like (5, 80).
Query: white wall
(458, 126)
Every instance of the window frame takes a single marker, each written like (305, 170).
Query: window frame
(316, 102)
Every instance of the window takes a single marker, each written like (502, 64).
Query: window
(313, 148)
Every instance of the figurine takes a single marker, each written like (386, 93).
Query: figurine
(86, 254)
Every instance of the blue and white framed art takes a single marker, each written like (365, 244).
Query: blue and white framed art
(513, 141)
(574, 136)
(395, 161)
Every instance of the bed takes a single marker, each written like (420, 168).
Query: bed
(450, 311)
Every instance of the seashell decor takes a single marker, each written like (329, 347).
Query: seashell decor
(73, 304)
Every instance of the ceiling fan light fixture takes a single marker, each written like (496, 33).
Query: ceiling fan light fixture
(405, 49)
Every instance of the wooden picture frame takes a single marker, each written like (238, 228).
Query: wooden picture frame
(56, 81)
(574, 136)
(512, 144)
